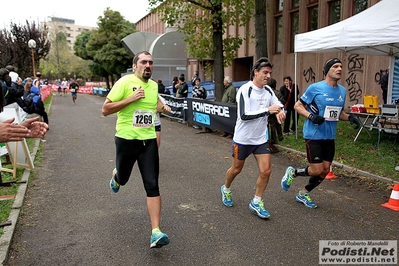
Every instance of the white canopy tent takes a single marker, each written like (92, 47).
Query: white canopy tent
(374, 31)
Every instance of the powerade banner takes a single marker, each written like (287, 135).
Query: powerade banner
(215, 115)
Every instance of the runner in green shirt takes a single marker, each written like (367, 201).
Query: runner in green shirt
(135, 100)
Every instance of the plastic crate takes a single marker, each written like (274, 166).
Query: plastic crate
(373, 110)
(370, 101)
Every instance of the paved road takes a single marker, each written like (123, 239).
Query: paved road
(70, 217)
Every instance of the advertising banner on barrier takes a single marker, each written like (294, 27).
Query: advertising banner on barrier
(215, 115)
(176, 105)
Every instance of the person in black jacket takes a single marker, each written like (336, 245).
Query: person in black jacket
(183, 91)
(11, 90)
(384, 87)
(195, 77)
(288, 92)
(161, 87)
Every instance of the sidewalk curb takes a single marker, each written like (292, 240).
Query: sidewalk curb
(6, 238)
(346, 167)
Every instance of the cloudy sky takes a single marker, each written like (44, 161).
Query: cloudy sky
(85, 13)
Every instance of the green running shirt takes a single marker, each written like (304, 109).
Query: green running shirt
(135, 121)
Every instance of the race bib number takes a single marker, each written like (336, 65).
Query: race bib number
(72, 90)
(332, 113)
(143, 118)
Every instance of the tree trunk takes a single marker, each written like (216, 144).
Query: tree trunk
(260, 29)
(218, 69)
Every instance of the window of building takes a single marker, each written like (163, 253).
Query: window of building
(279, 5)
(294, 28)
(294, 17)
(278, 30)
(313, 18)
(334, 11)
(359, 6)
(313, 15)
(279, 34)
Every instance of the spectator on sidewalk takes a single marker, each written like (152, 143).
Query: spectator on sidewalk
(183, 90)
(384, 86)
(229, 96)
(199, 92)
(32, 93)
(195, 77)
(289, 91)
(274, 125)
(29, 128)
(161, 87)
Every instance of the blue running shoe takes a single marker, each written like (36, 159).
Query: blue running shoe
(305, 199)
(114, 186)
(288, 178)
(158, 240)
(259, 209)
(226, 197)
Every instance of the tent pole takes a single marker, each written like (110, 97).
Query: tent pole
(390, 79)
(296, 96)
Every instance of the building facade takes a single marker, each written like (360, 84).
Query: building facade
(285, 19)
(67, 26)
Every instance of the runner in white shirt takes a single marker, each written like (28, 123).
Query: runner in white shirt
(64, 85)
(255, 101)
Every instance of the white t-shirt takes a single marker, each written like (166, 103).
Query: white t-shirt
(158, 116)
(252, 107)
(64, 84)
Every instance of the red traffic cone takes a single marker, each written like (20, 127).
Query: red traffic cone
(330, 174)
(393, 202)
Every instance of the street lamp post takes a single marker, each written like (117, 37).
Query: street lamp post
(32, 46)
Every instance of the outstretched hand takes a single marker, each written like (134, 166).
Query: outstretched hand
(36, 129)
(12, 132)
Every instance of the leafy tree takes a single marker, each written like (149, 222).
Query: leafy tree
(104, 45)
(14, 48)
(60, 60)
(204, 23)
(81, 51)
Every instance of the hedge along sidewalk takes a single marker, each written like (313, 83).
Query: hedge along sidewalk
(6, 238)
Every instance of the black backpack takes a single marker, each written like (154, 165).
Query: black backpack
(26, 104)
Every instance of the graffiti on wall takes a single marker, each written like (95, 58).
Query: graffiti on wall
(355, 67)
(309, 75)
